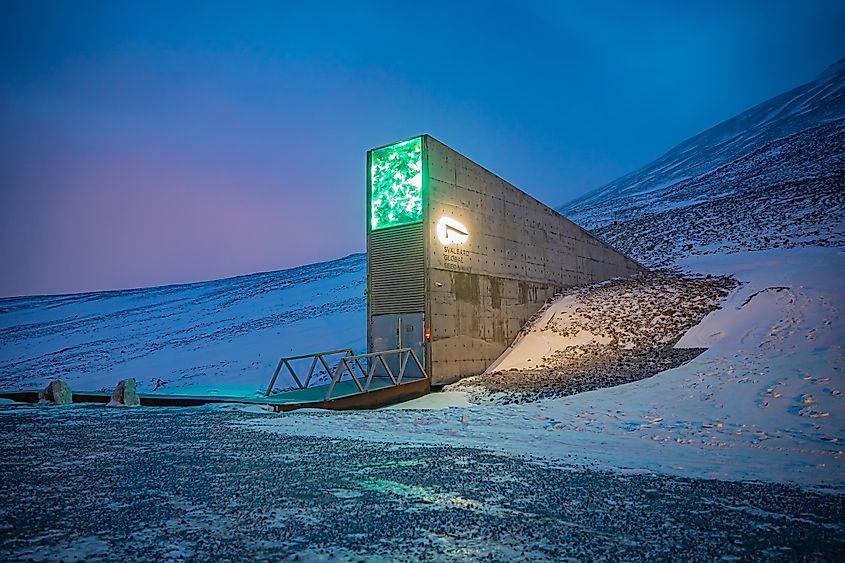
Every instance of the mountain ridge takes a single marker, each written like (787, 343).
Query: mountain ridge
(784, 148)
(834, 72)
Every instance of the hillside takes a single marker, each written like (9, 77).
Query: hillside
(770, 177)
(222, 336)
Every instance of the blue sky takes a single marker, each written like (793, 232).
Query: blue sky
(153, 143)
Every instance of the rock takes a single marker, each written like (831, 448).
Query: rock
(125, 395)
(57, 392)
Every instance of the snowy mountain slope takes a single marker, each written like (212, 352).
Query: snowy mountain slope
(764, 402)
(773, 176)
(222, 336)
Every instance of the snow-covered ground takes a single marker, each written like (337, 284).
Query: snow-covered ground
(764, 402)
(219, 337)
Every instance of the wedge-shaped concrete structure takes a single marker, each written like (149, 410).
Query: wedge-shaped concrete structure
(459, 259)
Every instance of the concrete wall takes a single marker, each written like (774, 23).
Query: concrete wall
(518, 254)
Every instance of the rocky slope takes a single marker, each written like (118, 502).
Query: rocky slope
(602, 335)
(771, 177)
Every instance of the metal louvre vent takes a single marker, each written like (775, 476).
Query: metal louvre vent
(397, 270)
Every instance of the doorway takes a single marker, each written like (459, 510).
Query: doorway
(401, 330)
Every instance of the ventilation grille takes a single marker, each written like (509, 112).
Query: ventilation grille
(397, 270)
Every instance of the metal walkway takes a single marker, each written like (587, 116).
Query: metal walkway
(363, 381)
(342, 374)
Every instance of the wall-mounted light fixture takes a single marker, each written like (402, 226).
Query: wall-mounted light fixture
(451, 231)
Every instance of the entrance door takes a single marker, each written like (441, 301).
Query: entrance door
(404, 330)
(412, 335)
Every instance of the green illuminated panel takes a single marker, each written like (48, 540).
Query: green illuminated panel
(396, 184)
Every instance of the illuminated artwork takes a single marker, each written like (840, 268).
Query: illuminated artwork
(396, 184)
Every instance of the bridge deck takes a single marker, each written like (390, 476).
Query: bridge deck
(344, 396)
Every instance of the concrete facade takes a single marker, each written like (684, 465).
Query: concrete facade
(513, 255)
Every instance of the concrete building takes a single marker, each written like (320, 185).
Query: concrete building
(459, 259)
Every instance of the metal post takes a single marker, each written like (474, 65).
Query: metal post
(403, 361)
(273, 380)
(352, 373)
(325, 365)
(419, 365)
(335, 378)
(311, 371)
(387, 368)
(370, 375)
(293, 373)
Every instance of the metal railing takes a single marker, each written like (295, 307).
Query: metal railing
(348, 364)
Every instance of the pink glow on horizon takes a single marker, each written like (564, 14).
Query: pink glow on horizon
(193, 220)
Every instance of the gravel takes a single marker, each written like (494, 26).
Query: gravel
(636, 322)
(593, 369)
(152, 484)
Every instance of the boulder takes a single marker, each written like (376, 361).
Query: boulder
(57, 392)
(125, 395)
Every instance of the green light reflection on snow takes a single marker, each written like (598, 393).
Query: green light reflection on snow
(396, 184)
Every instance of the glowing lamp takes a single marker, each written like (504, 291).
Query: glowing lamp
(451, 231)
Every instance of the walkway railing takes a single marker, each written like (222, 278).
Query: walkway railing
(352, 364)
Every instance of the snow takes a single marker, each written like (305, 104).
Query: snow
(434, 401)
(764, 402)
(223, 337)
(538, 344)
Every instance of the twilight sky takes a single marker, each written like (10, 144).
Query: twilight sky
(149, 143)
